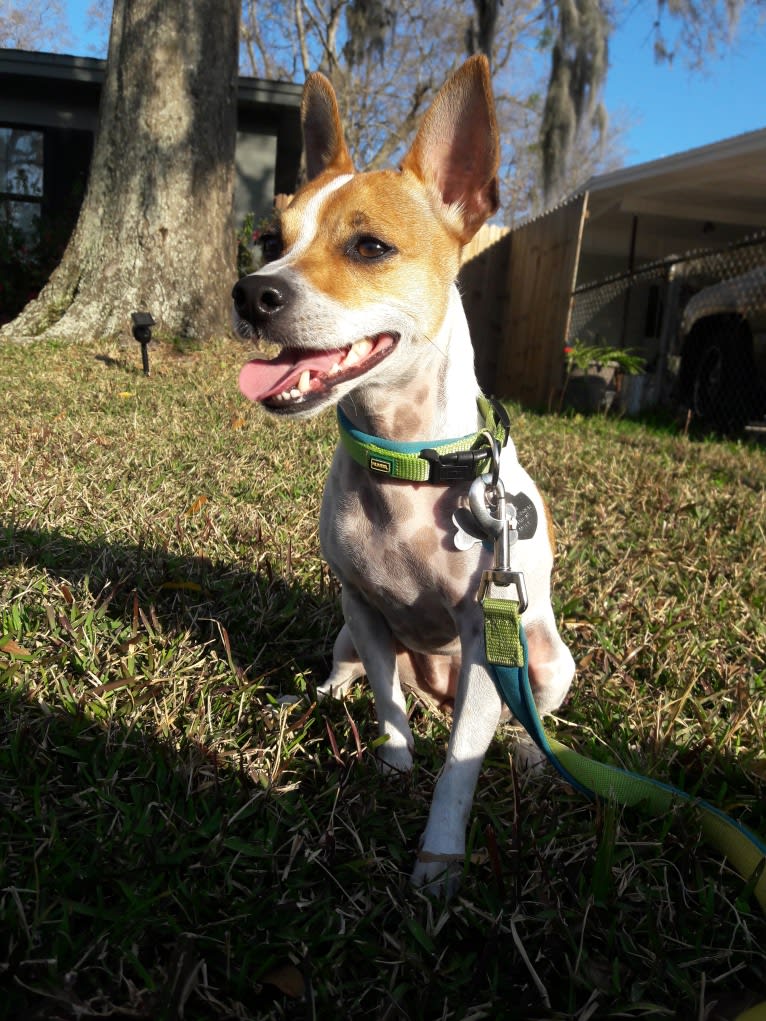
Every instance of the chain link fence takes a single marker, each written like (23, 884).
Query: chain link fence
(699, 321)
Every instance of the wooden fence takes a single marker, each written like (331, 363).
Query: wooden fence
(517, 291)
(485, 289)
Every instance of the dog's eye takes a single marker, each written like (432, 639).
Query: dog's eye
(271, 246)
(371, 248)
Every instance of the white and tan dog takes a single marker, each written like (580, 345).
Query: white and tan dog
(359, 292)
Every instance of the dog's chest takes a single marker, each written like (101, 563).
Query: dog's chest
(394, 542)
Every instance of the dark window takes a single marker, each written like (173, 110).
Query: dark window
(21, 178)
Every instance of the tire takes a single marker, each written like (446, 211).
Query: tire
(720, 374)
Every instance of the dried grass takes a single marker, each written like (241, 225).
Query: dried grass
(180, 841)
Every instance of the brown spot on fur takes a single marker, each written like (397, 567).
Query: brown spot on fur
(425, 542)
(433, 677)
(411, 420)
(359, 220)
(375, 510)
(407, 422)
(456, 566)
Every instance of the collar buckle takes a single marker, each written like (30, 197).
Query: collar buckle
(459, 466)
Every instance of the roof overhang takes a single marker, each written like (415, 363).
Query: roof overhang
(724, 182)
(64, 68)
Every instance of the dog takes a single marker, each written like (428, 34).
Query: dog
(358, 291)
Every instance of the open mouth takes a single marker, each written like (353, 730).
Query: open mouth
(301, 376)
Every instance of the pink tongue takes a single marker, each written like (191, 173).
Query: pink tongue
(260, 379)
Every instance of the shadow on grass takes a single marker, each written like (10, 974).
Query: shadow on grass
(175, 842)
(267, 623)
(145, 874)
(151, 867)
(141, 878)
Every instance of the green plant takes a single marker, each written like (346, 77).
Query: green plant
(580, 356)
(245, 238)
(248, 238)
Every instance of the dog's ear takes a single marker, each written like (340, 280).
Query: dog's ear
(322, 131)
(457, 149)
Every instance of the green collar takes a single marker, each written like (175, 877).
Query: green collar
(456, 460)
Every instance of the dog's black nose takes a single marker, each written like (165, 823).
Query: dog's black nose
(258, 299)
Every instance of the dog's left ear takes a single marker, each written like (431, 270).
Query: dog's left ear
(322, 130)
(457, 146)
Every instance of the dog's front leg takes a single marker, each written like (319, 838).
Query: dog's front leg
(374, 642)
(346, 667)
(475, 720)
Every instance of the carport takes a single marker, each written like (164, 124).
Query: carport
(631, 223)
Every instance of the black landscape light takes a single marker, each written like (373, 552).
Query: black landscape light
(142, 332)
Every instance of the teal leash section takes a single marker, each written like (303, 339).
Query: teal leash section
(513, 684)
(744, 848)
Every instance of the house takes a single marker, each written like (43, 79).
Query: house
(48, 115)
(599, 267)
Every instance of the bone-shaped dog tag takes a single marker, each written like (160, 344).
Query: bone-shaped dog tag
(468, 530)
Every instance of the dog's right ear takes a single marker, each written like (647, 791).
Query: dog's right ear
(322, 131)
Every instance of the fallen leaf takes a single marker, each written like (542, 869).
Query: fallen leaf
(12, 648)
(334, 744)
(288, 979)
(237, 422)
(184, 586)
(197, 506)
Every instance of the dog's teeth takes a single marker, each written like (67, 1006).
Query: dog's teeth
(362, 347)
(295, 392)
(334, 370)
(358, 351)
(304, 382)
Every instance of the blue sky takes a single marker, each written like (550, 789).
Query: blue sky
(669, 108)
(665, 109)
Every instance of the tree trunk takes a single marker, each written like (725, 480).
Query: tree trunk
(155, 231)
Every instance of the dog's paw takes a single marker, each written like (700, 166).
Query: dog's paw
(527, 757)
(438, 875)
(394, 759)
(346, 667)
(334, 687)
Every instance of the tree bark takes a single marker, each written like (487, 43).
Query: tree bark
(155, 232)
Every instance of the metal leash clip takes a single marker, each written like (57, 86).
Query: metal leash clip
(497, 518)
(494, 454)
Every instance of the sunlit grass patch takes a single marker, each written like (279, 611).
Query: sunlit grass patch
(185, 832)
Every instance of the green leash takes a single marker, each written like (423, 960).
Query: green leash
(506, 650)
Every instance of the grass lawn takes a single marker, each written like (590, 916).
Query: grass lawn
(179, 841)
